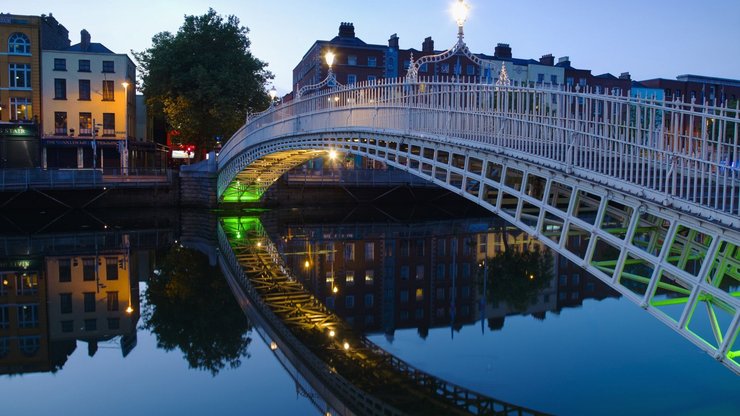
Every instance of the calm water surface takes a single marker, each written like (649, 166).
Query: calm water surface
(567, 346)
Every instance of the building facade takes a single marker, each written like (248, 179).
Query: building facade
(89, 107)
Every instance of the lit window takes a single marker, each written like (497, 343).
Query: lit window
(369, 251)
(349, 277)
(27, 284)
(349, 251)
(18, 44)
(28, 316)
(419, 294)
(60, 127)
(20, 108)
(369, 277)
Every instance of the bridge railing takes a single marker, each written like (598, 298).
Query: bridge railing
(680, 152)
(38, 178)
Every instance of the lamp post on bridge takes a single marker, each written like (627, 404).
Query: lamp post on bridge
(329, 81)
(124, 155)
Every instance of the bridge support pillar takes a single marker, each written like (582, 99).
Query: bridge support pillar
(198, 184)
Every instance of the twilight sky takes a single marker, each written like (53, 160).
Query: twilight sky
(648, 38)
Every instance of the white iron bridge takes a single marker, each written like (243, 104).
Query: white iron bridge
(644, 194)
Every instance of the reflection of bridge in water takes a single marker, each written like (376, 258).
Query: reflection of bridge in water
(353, 375)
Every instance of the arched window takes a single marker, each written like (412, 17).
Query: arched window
(18, 43)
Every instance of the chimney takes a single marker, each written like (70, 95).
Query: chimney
(393, 41)
(84, 40)
(503, 50)
(625, 75)
(346, 30)
(428, 45)
(548, 60)
(565, 60)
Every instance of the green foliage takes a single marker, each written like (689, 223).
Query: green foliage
(189, 306)
(203, 79)
(516, 278)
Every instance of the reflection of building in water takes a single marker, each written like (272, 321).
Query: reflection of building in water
(90, 298)
(389, 277)
(24, 344)
(422, 276)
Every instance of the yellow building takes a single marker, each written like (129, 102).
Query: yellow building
(89, 106)
(24, 343)
(21, 40)
(90, 296)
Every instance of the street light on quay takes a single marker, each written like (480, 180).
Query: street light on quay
(273, 94)
(125, 129)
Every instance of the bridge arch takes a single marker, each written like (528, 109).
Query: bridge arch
(648, 226)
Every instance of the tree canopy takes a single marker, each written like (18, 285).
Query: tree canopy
(203, 79)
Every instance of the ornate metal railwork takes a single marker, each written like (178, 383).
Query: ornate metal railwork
(652, 185)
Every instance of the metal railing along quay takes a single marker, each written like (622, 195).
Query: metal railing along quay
(61, 179)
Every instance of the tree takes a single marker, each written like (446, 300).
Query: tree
(189, 306)
(203, 80)
(518, 277)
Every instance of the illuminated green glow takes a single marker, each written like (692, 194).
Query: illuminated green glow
(234, 195)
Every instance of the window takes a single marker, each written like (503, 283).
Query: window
(369, 300)
(351, 78)
(88, 264)
(470, 69)
(403, 249)
(67, 326)
(576, 278)
(29, 346)
(112, 301)
(108, 90)
(372, 61)
(330, 251)
(371, 78)
(563, 280)
(419, 294)
(349, 301)
(453, 270)
(4, 349)
(540, 78)
(483, 243)
(349, 251)
(369, 251)
(440, 271)
(403, 296)
(330, 277)
(89, 298)
(28, 316)
(419, 272)
(109, 130)
(554, 79)
(569, 81)
(83, 65)
(582, 82)
(84, 90)
(349, 277)
(466, 270)
(419, 313)
(351, 59)
(4, 317)
(60, 89)
(88, 268)
(420, 248)
(60, 64)
(91, 324)
(369, 277)
(27, 284)
(404, 273)
(114, 323)
(18, 44)
(329, 302)
(442, 247)
(111, 263)
(4, 285)
(108, 67)
(423, 68)
(465, 292)
(65, 303)
(444, 68)
(20, 75)
(60, 127)
(440, 293)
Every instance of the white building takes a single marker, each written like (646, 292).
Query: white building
(88, 97)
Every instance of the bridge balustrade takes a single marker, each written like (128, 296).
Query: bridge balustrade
(683, 154)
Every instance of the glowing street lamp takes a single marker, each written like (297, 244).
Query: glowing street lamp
(273, 94)
(329, 81)
(332, 154)
(125, 129)
(460, 11)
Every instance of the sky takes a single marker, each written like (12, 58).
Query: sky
(648, 38)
